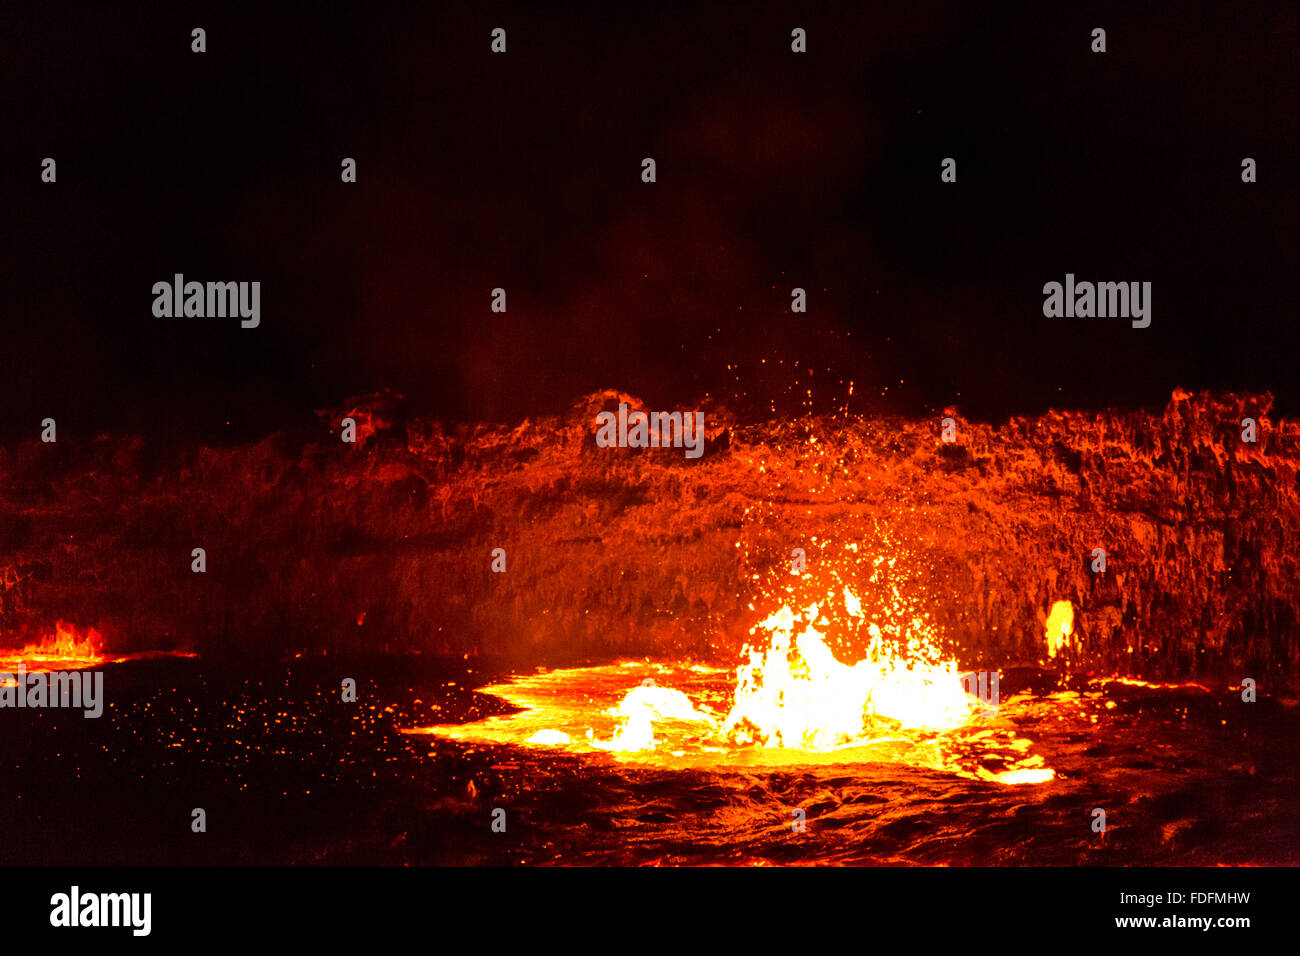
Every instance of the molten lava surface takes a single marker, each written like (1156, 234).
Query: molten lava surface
(412, 771)
(1183, 781)
(682, 716)
(65, 650)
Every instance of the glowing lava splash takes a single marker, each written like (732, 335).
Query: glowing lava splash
(65, 650)
(792, 701)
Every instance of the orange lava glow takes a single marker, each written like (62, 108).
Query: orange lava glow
(64, 650)
(590, 711)
(1153, 685)
(791, 700)
(1060, 624)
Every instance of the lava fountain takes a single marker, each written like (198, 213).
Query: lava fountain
(790, 701)
(65, 650)
(69, 648)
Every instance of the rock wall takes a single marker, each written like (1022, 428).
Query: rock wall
(388, 543)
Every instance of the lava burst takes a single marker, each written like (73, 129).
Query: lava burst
(791, 701)
(796, 694)
(65, 649)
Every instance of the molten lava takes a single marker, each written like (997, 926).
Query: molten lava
(1060, 624)
(792, 701)
(62, 651)
(796, 694)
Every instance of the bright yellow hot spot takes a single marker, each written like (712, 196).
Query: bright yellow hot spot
(793, 700)
(66, 649)
(1060, 622)
(796, 694)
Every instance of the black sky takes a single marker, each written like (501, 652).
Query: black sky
(522, 171)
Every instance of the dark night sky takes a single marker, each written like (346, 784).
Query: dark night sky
(523, 171)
